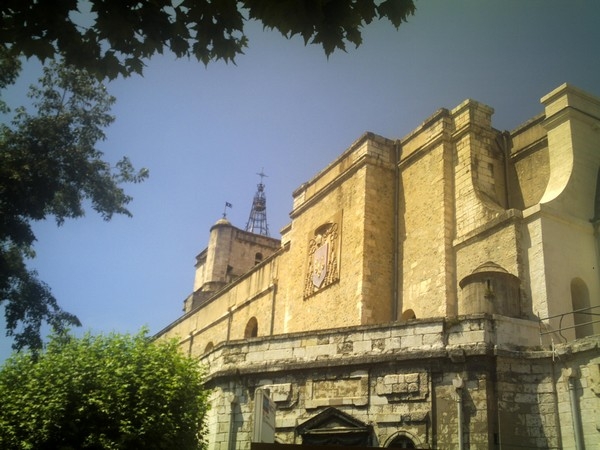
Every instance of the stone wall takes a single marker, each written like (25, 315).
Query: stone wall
(453, 185)
(378, 248)
(425, 222)
(503, 237)
(231, 252)
(526, 402)
(534, 399)
(529, 159)
(225, 316)
(562, 246)
(409, 380)
(579, 362)
(384, 235)
(355, 193)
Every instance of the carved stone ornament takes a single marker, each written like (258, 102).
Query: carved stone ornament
(319, 266)
(323, 259)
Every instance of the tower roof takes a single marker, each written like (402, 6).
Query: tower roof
(222, 221)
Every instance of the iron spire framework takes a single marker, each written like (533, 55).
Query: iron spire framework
(257, 222)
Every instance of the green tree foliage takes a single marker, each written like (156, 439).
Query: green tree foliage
(48, 162)
(123, 33)
(102, 392)
(49, 166)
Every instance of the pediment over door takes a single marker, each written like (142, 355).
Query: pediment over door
(334, 427)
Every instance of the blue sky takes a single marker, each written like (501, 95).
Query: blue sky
(205, 132)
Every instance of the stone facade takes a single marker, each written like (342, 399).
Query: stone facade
(422, 296)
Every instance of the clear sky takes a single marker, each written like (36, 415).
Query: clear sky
(205, 132)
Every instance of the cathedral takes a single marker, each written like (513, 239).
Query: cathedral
(438, 291)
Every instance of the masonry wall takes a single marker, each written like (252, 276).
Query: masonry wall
(529, 169)
(533, 284)
(378, 247)
(564, 248)
(425, 220)
(339, 303)
(581, 363)
(408, 380)
(535, 405)
(528, 415)
(475, 395)
(231, 252)
(226, 315)
(453, 193)
(332, 369)
(356, 194)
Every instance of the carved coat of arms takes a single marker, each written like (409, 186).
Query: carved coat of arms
(323, 258)
(319, 265)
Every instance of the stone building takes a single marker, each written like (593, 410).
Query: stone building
(435, 291)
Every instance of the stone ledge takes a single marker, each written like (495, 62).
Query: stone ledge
(457, 339)
(433, 356)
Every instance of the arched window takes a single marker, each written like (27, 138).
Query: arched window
(580, 299)
(409, 314)
(251, 328)
(209, 347)
(258, 258)
(402, 441)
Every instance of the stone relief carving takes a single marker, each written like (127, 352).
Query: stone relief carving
(349, 390)
(285, 395)
(323, 259)
(403, 387)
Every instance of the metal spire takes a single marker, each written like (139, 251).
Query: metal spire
(257, 222)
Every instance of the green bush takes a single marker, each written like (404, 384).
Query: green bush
(102, 392)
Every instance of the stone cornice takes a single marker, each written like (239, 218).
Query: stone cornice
(359, 163)
(456, 340)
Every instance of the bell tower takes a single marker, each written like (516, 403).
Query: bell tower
(231, 252)
(257, 222)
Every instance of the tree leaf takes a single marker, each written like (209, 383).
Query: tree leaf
(206, 30)
(49, 166)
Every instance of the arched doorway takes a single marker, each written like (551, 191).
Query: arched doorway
(402, 442)
(402, 439)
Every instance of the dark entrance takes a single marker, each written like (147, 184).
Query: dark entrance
(402, 442)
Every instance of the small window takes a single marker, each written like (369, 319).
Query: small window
(580, 300)
(409, 314)
(209, 347)
(258, 258)
(251, 328)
